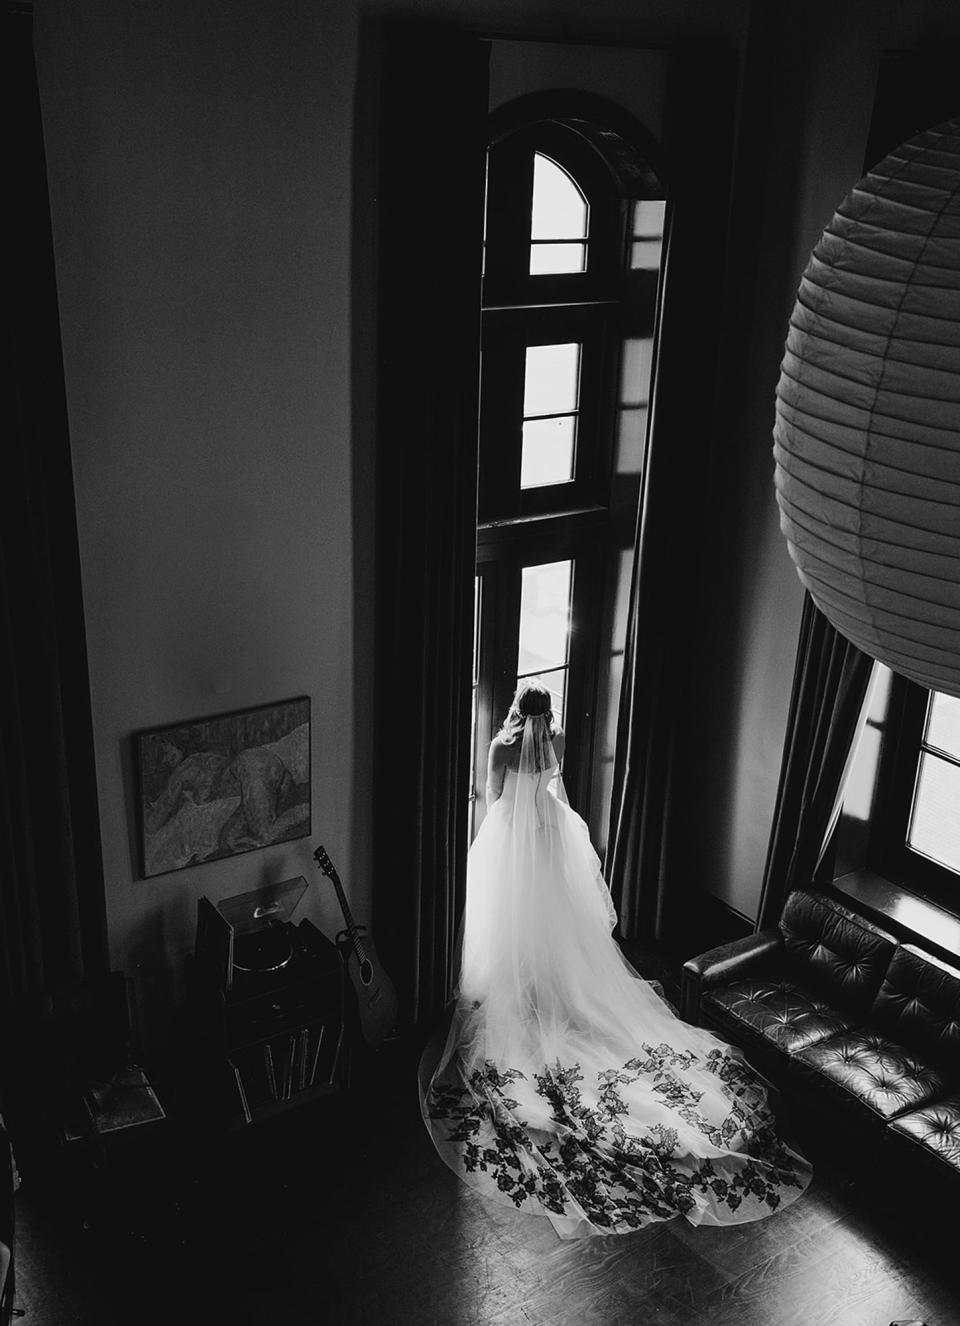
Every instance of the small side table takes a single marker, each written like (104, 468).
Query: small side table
(119, 1130)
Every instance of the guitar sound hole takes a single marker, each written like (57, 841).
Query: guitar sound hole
(366, 972)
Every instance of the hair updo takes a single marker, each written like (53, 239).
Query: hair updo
(531, 700)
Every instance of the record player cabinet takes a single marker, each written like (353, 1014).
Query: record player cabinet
(267, 1004)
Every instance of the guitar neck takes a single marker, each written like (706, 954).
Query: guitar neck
(348, 918)
(376, 997)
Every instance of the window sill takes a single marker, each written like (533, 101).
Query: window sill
(910, 917)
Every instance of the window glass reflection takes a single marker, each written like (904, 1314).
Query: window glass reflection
(647, 243)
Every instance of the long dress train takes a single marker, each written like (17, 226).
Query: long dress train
(564, 1083)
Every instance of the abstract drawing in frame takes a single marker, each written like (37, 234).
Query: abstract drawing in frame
(215, 787)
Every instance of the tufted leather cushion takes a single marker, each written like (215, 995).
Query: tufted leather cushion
(934, 1129)
(783, 1014)
(867, 1068)
(919, 1005)
(834, 951)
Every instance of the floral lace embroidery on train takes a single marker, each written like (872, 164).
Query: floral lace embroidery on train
(587, 1160)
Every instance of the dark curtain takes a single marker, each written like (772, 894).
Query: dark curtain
(52, 914)
(829, 687)
(659, 646)
(434, 90)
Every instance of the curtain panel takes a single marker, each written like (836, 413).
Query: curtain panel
(433, 144)
(52, 911)
(830, 686)
(661, 628)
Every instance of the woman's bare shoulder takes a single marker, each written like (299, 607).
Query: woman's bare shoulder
(504, 754)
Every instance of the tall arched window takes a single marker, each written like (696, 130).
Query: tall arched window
(572, 243)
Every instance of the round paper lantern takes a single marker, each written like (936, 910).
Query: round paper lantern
(867, 435)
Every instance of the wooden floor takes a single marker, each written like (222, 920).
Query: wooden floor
(342, 1213)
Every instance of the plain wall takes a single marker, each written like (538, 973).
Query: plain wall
(199, 166)
(204, 198)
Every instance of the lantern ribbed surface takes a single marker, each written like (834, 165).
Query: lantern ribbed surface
(867, 434)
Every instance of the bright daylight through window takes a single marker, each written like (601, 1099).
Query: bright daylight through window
(545, 628)
(550, 394)
(558, 232)
(935, 813)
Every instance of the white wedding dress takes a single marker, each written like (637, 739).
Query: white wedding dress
(563, 1083)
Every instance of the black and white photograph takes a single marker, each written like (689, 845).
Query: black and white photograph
(480, 664)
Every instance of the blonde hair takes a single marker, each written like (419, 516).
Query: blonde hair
(530, 700)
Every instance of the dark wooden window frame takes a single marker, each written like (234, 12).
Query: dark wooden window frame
(507, 279)
(887, 851)
(506, 335)
(594, 308)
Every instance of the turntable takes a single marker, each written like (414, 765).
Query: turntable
(249, 937)
(268, 1001)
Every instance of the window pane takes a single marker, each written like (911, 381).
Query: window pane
(647, 234)
(943, 726)
(559, 208)
(636, 367)
(648, 216)
(551, 379)
(631, 439)
(544, 618)
(554, 258)
(548, 451)
(645, 255)
(935, 821)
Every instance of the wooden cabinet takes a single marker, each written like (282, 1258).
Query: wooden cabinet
(275, 1038)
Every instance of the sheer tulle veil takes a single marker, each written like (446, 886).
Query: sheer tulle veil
(539, 972)
(563, 1082)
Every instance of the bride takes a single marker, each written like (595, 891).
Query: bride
(565, 1084)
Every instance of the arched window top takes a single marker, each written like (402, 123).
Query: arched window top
(559, 220)
(561, 200)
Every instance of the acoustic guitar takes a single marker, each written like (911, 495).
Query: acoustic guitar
(376, 996)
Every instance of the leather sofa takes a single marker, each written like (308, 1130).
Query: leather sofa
(864, 1027)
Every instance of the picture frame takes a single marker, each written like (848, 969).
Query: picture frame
(219, 786)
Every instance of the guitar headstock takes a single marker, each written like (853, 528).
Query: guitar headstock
(326, 865)
(324, 862)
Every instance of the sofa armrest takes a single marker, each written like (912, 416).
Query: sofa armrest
(729, 962)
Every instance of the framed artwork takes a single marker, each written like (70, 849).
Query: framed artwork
(215, 787)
